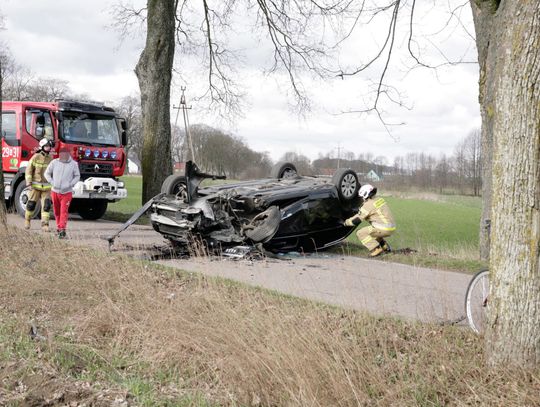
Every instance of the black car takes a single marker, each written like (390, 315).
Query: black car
(286, 212)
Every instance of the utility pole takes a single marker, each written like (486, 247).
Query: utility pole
(184, 107)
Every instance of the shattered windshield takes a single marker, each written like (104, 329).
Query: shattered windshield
(90, 129)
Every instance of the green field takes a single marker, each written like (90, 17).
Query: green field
(442, 229)
(133, 201)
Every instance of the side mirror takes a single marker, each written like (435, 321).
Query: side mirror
(123, 126)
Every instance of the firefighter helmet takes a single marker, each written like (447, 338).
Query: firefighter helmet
(45, 142)
(367, 191)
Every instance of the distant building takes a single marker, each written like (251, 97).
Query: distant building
(134, 166)
(179, 167)
(372, 176)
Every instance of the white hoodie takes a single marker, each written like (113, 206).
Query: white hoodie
(62, 175)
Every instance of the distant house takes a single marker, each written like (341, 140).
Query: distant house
(372, 176)
(179, 167)
(134, 166)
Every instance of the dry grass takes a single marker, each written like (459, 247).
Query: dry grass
(183, 339)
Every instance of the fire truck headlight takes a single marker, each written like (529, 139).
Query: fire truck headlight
(113, 155)
(120, 184)
(96, 153)
(87, 153)
(105, 154)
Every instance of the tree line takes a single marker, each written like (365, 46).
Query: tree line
(457, 172)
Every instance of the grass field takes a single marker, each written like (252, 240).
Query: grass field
(115, 331)
(443, 229)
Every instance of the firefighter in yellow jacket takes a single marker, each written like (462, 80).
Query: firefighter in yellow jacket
(378, 214)
(40, 188)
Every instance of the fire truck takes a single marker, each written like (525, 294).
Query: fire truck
(95, 135)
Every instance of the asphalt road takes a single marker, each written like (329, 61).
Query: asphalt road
(374, 286)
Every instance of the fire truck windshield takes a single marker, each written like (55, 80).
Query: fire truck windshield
(89, 129)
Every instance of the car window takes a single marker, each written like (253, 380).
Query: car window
(36, 118)
(9, 128)
(90, 128)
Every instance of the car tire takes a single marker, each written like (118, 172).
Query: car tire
(92, 209)
(20, 199)
(264, 226)
(174, 185)
(347, 184)
(284, 170)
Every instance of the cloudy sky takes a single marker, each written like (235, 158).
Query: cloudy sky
(73, 40)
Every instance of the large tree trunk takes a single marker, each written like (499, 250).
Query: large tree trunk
(508, 39)
(484, 16)
(154, 71)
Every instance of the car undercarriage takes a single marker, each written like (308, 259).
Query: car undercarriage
(283, 213)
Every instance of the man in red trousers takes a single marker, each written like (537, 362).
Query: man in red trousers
(62, 173)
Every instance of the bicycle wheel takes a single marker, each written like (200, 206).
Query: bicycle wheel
(476, 300)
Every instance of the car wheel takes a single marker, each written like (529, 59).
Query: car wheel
(264, 226)
(175, 185)
(346, 183)
(92, 209)
(22, 193)
(284, 170)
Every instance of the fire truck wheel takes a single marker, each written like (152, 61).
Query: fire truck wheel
(92, 209)
(22, 192)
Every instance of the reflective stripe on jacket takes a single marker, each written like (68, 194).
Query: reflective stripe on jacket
(35, 171)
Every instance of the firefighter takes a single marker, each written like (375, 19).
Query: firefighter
(378, 214)
(40, 188)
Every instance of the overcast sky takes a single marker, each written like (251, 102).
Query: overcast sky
(72, 40)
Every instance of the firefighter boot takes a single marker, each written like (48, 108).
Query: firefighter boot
(376, 252)
(385, 246)
(45, 227)
(27, 224)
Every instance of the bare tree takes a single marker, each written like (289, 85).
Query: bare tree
(178, 147)
(202, 29)
(473, 156)
(130, 109)
(17, 80)
(154, 71)
(508, 40)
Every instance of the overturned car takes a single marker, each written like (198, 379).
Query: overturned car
(286, 212)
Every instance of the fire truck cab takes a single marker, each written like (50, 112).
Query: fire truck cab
(94, 133)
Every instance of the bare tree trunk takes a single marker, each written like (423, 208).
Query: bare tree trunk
(510, 100)
(484, 16)
(3, 216)
(154, 71)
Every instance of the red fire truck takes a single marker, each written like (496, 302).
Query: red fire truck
(96, 136)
